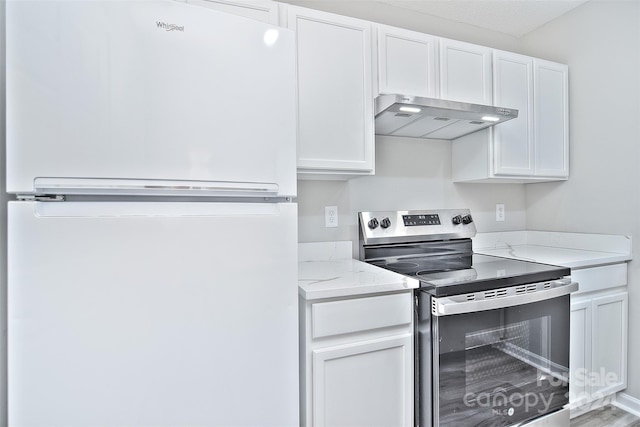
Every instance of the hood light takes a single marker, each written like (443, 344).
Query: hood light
(410, 109)
(490, 119)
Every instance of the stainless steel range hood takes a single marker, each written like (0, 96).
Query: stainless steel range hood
(417, 117)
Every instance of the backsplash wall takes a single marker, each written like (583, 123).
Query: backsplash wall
(410, 174)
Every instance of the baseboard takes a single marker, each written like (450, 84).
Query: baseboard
(627, 403)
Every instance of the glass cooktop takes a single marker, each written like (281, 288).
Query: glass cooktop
(464, 273)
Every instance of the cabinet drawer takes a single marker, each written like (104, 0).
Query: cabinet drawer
(361, 314)
(598, 278)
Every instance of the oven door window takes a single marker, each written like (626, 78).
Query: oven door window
(503, 366)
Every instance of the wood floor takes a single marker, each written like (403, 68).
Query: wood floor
(608, 416)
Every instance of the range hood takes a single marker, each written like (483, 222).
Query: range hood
(418, 117)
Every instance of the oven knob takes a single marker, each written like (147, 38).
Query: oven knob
(467, 219)
(456, 219)
(385, 223)
(373, 223)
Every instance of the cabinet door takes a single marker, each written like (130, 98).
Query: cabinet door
(261, 10)
(609, 363)
(465, 72)
(335, 99)
(368, 383)
(513, 88)
(551, 114)
(407, 62)
(580, 352)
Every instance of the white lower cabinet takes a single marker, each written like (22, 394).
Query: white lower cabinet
(580, 352)
(609, 343)
(362, 384)
(598, 346)
(357, 361)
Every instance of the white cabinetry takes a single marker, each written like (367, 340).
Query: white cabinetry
(465, 72)
(551, 114)
(513, 88)
(598, 347)
(335, 95)
(261, 10)
(357, 361)
(531, 148)
(580, 351)
(407, 62)
(609, 342)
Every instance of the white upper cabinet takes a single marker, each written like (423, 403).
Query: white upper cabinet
(335, 95)
(551, 103)
(261, 10)
(513, 88)
(465, 72)
(407, 62)
(534, 147)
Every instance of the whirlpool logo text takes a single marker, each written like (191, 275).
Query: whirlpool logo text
(169, 27)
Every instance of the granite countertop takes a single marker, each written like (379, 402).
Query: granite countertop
(346, 277)
(326, 270)
(571, 250)
(573, 258)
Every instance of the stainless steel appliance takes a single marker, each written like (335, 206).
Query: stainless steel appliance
(418, 117)
(492, 334)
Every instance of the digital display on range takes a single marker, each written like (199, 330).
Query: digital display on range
(430, 219)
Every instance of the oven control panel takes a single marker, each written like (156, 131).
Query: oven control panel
(416, 220)
(403, 226)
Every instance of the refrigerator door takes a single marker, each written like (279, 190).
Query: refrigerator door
(183, 317)
(147, 90)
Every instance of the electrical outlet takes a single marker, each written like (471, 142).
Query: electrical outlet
(499, 212)
(330, 216)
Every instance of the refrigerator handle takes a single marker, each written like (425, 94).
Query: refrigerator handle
(153, 187)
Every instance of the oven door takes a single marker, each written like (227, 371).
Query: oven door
(500, 357)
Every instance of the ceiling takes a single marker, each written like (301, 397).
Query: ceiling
(513, 17)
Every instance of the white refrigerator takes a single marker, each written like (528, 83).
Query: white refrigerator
(152, 240)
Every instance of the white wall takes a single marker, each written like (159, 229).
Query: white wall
(600, 41)
(410, 174)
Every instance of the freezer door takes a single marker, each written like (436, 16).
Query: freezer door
(187, 317)
(147, 90)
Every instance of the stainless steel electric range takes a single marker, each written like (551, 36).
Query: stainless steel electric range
(492, 334)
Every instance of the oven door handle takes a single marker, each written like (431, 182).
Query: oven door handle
(461, 304)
